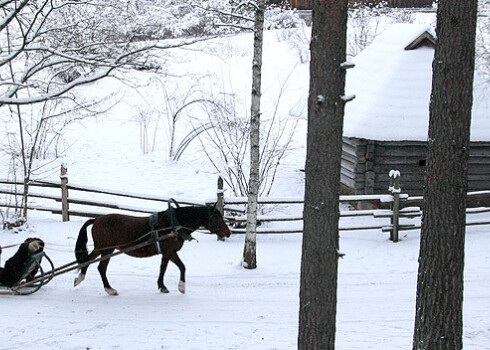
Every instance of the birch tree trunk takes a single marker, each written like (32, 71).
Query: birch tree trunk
(320, 252)
(249, 250)
(439, 306)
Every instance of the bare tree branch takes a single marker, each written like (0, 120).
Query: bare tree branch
(12, 14)
(109, 67)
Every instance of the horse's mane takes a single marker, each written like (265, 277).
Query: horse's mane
(193, 213)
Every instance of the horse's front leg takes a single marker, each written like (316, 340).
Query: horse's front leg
(176, 260)
(163, 268)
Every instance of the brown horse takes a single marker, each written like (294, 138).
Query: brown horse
(114, 231)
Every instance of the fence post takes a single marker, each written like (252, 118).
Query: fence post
(220, 196)
(395, 191)
(220, 205)
(64, 193)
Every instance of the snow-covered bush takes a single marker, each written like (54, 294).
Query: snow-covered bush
(16, 223)
(163, 19)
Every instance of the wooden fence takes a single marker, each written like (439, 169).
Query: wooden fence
(393, 206)
(387, 210)
(66, 190)
(403, 209)
(377, 203)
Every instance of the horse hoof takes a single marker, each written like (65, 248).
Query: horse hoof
(163, 290)
(182, 287)
(111, 291)
(79, 279)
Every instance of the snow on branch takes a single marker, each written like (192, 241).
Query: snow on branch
(347, 65)
(108, 66)
(237, 26)
(230, 13)
(51, 95)
(347, 98)
(11, 15)
(233, 15)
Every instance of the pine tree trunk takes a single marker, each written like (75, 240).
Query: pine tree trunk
(439, 313)
(249, 250)
(318, 290)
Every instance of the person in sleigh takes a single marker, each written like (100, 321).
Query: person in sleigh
(11, 273)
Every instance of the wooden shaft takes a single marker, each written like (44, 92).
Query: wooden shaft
(60, 270)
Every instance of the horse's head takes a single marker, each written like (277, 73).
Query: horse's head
(216, 224)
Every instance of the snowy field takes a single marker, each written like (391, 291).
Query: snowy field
(225, 307)
(228, 307)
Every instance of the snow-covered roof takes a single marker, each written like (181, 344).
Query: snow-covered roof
(392, 82)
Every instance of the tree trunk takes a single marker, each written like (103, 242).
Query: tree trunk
(439, 315)
(318, 290)
(249, 250)
(26, 169)
(172, 138)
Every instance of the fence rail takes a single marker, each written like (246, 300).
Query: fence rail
(66, 199)
(393, 206)
(401, 206)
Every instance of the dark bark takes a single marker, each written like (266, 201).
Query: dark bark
(439, 314)
(318, 291)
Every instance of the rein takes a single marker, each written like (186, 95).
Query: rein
(10, 246)
(154, 233)
(74, 264)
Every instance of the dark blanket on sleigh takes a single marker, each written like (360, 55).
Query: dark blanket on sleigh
(14, 267)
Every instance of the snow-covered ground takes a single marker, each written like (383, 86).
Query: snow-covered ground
(228, 307)
(225, 306)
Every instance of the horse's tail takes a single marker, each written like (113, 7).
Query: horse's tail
(81, 252)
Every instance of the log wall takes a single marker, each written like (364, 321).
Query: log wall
(366, 164)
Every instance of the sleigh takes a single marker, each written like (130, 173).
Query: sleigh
(29, 283)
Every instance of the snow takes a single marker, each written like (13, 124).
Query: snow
(385, 198)
(347, 98)
(393, 86)
(225, 306)
(394, 173)
(228, 307)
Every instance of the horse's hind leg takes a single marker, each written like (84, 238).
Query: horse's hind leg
(163, 268)
(83, 271)
(176, 260)
(103, 269)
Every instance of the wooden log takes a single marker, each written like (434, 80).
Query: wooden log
(34, 183)
(219, 203)
(220, 196)
(395, 191)
(64, 194)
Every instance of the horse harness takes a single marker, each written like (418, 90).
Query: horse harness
(153, 221)
(176, 228)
